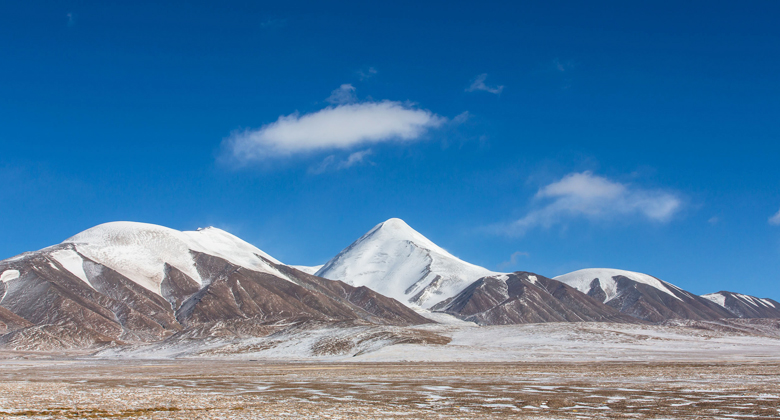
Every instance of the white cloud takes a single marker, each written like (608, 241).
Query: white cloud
(331, 163)
(345, 94)
(367, 74)
(335, 127)
(513, 260)
(775, 220)
(461, 118)
(595, 198)
(355, 158)
(479, 84)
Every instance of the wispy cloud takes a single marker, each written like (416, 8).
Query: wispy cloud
(479, 84)
(71, 19)
(563, 66)
(332, 163)
(344, 94)
(513, 260)
(775, 220)
(366, 74)
(585, 195)
(273, 23)
(564, 69)
(461, 118)
(337, 127)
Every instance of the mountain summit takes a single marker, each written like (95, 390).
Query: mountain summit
(397, 261)
(140, 251)
(642, 296)
(126, 282)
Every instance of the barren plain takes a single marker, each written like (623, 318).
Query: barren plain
(219, 389)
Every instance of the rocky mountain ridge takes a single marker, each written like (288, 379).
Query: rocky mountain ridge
(128, 283)
(134, 283)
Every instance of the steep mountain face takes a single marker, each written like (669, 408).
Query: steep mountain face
(642, 296)
(137, 283)
(133, 282)
(523, 297)
(9, 321)
(744, 306)
(397, 261)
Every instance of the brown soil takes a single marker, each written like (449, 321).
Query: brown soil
(189, 389)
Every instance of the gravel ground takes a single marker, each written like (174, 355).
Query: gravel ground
(219, 389)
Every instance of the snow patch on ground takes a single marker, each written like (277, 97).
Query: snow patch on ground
(752, 300)
(9, 275)
(718, 298)
(580, 342)
(581, 280)
(548, 342)
(443, 318)
(308, 269)
(502, 277)
(72, 262)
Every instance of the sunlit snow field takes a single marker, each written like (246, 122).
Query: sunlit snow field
(736, 341)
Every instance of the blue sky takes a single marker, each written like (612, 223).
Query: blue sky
(547, 136)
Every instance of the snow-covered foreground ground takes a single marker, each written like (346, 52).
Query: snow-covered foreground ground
(220, 389)
(737, 341)
(713, 370)
(585, 342)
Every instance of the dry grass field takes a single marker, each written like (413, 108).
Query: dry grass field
(214, 389)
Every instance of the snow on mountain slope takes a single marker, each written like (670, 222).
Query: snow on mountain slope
(397, 261)
(308, 269)
(745, 306)
(522, 297)
(72, 262)
(582, 279)
(642, 296)
(720, 299)
(139, 251)
(222, 244)
(132, 282)
(9, 275)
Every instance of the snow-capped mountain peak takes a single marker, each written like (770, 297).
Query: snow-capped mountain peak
(139, 251)
(582, 280)
(130, 282)
(397, 261)
(397, 230)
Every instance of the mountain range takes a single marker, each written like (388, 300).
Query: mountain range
(126, 283)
